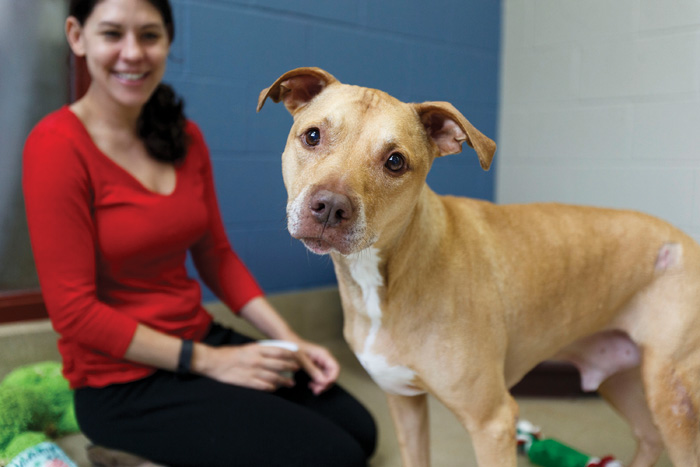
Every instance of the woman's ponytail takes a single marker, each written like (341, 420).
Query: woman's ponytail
(161, 125)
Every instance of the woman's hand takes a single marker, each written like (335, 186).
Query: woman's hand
(314, 359)
(250, 365)
(319, 364)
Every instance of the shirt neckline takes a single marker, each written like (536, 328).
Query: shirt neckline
(129, 175)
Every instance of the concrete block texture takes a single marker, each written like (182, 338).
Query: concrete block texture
(600, 105)
(226, 51)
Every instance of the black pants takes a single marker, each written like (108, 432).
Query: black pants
(197, 421)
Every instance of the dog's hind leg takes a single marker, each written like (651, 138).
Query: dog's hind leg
(666, 323)
(672, 390)
(625, 392)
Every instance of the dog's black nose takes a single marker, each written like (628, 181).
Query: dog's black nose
(330, 208)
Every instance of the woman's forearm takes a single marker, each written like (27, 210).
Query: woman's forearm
(265, 318)
(157, 349)
(153, 348)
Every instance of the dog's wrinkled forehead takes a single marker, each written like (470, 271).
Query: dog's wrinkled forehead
(356, 111)
(346, 99)
(306, 94)
(371, 99)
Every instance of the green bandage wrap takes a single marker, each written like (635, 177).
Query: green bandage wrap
(552, 453)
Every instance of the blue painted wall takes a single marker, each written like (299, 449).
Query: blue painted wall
(226, 51)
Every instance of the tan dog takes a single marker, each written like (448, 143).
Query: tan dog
(461, 298)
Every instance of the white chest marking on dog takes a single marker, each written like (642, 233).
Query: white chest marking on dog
(396, 379)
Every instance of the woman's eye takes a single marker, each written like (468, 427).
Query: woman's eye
(312, 137)
(111, 34)
(152, 35)
(396, 162)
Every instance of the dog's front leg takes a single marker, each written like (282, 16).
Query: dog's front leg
(490, 416)
(410, 415)
(489, 413)
(493, 434)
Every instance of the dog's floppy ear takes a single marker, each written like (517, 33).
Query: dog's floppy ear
(297, 87)
(448, 128)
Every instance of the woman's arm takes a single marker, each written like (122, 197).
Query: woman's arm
(320, 365)
(58, 203)
(249, 365)
(218, 265)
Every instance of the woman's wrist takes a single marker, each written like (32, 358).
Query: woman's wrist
(201, 358)
(286, 334)
(184, 362)
(263, 316)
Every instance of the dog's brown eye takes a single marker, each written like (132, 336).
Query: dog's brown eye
(396, 162)
(312, 137)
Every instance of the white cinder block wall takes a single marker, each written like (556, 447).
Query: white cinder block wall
(600, 105)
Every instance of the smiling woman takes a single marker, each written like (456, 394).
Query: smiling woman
(125, 47)
(125, 52)
(119, 190)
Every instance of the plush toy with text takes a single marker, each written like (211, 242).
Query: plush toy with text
(36, 405)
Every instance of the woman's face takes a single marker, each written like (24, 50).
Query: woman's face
(126, 45)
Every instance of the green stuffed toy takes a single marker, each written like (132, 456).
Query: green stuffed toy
(36, 405)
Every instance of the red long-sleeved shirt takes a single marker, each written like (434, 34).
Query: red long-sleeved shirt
(111, 254)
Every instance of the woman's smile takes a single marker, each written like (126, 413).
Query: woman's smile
(131, 78)
(125, 44)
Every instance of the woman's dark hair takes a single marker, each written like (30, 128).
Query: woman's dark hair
(161, 125)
